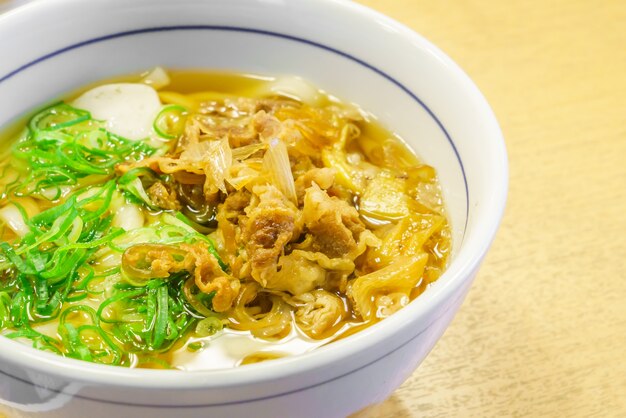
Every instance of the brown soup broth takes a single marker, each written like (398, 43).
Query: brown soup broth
(356, 229)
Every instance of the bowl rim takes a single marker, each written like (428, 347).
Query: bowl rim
(460, 270)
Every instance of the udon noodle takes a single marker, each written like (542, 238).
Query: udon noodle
(153, 220)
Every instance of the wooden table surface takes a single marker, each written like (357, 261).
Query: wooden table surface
(543, 331)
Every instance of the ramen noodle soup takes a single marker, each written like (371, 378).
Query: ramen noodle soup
(194, 220)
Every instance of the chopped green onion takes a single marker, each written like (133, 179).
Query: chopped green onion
(208, 326)
(170, 122)
(131, 182)
(56, 117)
(196, 346)
(5, 310)
(76, 347)
(56, 271)
(162, 312)
(64, 144)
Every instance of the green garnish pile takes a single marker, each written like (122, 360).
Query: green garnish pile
(56, 287)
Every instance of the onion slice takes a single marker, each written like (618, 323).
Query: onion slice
(276, 162)
(157, 78)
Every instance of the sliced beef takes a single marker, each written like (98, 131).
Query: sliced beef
(334, 224)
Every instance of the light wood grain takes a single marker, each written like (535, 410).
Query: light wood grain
(543, 331)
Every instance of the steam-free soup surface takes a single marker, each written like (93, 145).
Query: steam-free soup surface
(198, 220)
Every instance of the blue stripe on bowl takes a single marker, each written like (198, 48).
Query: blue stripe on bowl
(258, 32)
(218, 404)
(139, 405)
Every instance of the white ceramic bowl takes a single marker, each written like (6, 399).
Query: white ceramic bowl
(53, 46)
